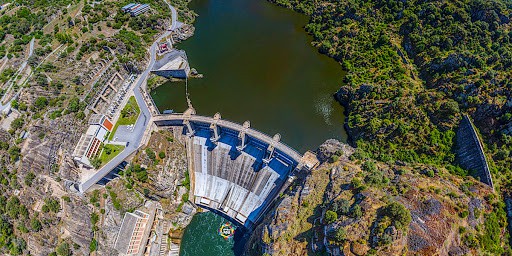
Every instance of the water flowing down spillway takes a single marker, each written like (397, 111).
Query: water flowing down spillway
(258, 65)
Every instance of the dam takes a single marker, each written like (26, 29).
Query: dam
(235, 171)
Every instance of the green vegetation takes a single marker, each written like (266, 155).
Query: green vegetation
(64, 250)
(129, 115)
(51, 205)
(337, 235)
(413, 69)
(109, 152)
(399, 215)
(29, 178)
(330, 216)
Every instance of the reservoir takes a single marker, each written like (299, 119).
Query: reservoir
(259, 65)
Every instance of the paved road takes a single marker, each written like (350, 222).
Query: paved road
(142, 121)
(174, 17)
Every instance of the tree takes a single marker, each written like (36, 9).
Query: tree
(74, 105)
(93, 246)
(161, 155)
(63, 250)
(51, 204)
(40, 103)
(96, 163)
(341, 206)
(151, 154)
(400, 215)
(356, 212)
(13, 207)
(330, 216)
(17, 123)
(36, 225)
(94, 218)
(29, 178)
(337, 235)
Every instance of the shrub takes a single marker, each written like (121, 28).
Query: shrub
(330, 216)
(337, 235)
(35, 224)
(400, 215)
(356, 212)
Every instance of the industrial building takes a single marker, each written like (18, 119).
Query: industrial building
(132, 237)
(90, 142)
(135, 9)
(173, 65)
(235, 171)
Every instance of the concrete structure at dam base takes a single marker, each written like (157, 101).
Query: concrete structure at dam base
(235, 171)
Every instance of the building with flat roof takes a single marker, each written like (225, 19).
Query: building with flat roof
(173, 64)
(135, 9)
(131, 237)
(90, 142)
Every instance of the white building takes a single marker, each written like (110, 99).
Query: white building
(90, 142)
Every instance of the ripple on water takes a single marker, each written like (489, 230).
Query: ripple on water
(201, 237)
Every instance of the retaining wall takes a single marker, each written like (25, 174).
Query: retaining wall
(470, 152)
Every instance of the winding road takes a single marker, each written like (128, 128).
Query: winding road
(142, 120)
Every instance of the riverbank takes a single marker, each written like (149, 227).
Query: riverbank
(261, 67)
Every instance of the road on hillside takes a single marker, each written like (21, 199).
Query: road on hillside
(142, 120)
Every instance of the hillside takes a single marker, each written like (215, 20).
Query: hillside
(413, 69)
(56, 57)
(355, 206)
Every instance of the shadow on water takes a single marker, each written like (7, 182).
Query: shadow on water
(259, 65)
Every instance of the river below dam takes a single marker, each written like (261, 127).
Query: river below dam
(258, 65)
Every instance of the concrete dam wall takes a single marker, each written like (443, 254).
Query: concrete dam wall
(235, 171)
(470, 152)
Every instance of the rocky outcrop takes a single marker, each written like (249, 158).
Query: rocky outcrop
(358, 193)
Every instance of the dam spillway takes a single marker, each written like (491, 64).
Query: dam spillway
(235, 170)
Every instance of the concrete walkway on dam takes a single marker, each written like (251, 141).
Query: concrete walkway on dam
(235, 171)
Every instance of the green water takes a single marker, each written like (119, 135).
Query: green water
(259, 65)
(201, 237)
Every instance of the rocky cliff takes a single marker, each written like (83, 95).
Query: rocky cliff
(354, 206)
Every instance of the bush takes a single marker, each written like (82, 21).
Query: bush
(35, 224)
(356, 212)
(341, 206)
(337, 235)
(400, 215)
(330, 216)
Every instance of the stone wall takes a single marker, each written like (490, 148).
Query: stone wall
(470, 153)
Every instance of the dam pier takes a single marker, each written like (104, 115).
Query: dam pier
(235, 171)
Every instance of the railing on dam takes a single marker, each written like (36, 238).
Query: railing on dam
(159, 119)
